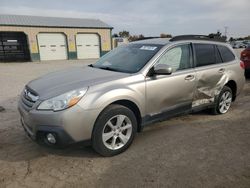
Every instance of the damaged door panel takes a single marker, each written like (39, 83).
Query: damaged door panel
(210, 81)
(211, 74)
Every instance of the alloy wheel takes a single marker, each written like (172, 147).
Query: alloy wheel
(117, 132)
(225, 102)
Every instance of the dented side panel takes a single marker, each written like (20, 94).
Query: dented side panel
(211, 79)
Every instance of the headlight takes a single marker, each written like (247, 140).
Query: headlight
(63, 101)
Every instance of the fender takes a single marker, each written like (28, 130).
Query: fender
(100, 96)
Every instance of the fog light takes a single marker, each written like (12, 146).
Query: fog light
(51, 138)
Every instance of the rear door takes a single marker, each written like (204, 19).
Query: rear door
(168, 95)
(210, 72)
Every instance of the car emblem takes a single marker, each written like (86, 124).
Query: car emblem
(30, 96)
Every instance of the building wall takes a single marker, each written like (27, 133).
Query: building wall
(31, 32)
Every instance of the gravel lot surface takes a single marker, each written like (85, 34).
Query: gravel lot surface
(197, 150)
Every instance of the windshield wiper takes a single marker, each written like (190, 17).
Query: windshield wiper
(105, 68)
(108, 68)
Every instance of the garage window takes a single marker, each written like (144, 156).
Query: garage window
(14, 47)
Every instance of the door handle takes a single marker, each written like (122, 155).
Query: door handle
(222, 70)
(189, 77)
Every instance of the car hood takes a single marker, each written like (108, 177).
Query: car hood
(56, 83)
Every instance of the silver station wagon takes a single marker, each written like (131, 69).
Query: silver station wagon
(108, 102)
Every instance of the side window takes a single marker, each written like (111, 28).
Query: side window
(178, 58)
(226, 54)
(205, 54)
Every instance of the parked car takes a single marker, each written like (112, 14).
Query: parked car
(246, 42)
(245, 57)
(134, 85)
(238, 44)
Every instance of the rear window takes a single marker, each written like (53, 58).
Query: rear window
(226, 54)
(205, 54)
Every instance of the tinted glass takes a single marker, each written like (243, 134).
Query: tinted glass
(205, 54)
(128, 58)
(226, 54)
(178, 58)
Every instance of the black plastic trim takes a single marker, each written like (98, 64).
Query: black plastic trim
(196, 37)
(62, 138)
(177, 110)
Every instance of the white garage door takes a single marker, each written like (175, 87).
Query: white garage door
(52, 46)
(88, 46)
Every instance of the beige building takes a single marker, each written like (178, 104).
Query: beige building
(24, 38)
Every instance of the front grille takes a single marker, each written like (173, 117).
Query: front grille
(28, 98)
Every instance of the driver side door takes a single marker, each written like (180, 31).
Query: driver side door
(169, 95)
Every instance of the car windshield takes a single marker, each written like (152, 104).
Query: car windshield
(128, 58)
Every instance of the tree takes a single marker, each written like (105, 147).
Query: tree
(248, 37)
(133, 38)
(231, 39)
(136, 37)
(124, 34)
(115, 35)
(141, 36)
(217, 35)
(163, 35)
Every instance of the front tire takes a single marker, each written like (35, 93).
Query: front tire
(224, 101)
(114, 130)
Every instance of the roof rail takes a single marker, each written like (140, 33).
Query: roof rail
(197, 37)
(145, 38)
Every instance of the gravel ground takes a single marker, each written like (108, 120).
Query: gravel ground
(197, 150)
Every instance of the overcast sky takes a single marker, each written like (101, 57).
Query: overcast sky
(147, 17)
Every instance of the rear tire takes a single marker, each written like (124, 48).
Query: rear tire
(114, 130)
(223, 101)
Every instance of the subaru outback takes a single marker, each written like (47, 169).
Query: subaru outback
(132, 86)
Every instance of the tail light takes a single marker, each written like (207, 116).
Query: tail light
(243, 53)
(242, 65)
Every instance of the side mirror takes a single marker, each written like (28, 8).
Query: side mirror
(162, 69)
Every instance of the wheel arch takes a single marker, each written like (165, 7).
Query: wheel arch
(233, 86)
(133, 107)
(130, 105)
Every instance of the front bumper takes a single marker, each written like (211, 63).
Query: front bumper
(62, 138)
(69, 126)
